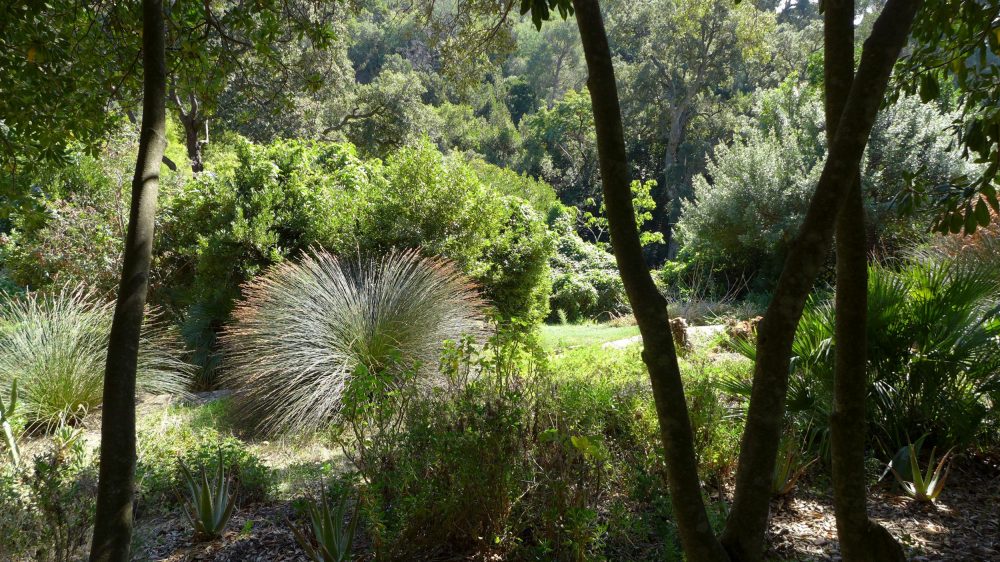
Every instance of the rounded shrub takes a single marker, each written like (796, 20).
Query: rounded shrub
(304, 329)
(585, 279)
(55, 346)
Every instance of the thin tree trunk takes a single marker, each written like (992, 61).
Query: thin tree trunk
(861, 540)
(193, 126)
(116, 485)
(648, 304)
(746, 526)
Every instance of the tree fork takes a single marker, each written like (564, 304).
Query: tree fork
(116, 484)
(746, 526)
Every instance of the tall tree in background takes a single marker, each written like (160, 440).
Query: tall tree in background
(688, 56)
(213, 44)
(861, 539)
(116, 485)
(743, 538)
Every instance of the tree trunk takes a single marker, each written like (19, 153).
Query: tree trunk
(193, 126)
(861, 540)
(648, 304)
(113, 523)
(669, 207)
(747, 523)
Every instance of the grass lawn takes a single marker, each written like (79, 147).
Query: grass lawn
(576, 335)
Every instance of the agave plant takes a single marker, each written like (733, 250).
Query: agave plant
(304, 329)
(6, 413)
(55, 345)
(209, 504)
(924, 486)
(790, 467)
(327, 539)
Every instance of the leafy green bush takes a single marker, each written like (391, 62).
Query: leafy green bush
(519, 458)
(46, 511)
(71, 226)
(586, 283)
(305, 329)
(266, 204)
(755, 190)
(445, 468)
(55, 346)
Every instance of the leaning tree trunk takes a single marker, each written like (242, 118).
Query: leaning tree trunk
(746, 526)
(648, 305)
(861, 540)
(115, 491)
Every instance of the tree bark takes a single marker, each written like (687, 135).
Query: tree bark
(669, 206)
(116, 485)
(648, 304)
(193, 126)
(747, 523)
(861, 540)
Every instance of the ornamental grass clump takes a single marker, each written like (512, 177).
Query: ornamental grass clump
(305, 328)
(55, 346)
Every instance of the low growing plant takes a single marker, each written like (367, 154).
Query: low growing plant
(791, 466)
(327, 538)
(209, 504)
(55, 346)
(924, 486)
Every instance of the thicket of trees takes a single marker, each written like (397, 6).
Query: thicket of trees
(738, 137)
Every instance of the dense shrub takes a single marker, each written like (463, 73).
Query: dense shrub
(55, 346)
(47, 506)
(755, 190)
(70, 227)
(585, 279)
(519, 458)
(934, 353)
(305, 329)
(265, 204)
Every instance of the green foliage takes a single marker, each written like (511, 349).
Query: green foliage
(305, 329)
(957, 68)
(268, 203)
(161, 450)
(585, 279)
(70, 227)
(7, 410)
(55, 346)
(327, 539)
(519, 458)
(933, 352)
(52, 47)
(755, 191)
(924, 487)
(760, 186)
(792, 465)
(209, 503)
(46, 511)
(559, 146)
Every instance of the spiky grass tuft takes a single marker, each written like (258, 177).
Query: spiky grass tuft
(303, 329)
(55, 346)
